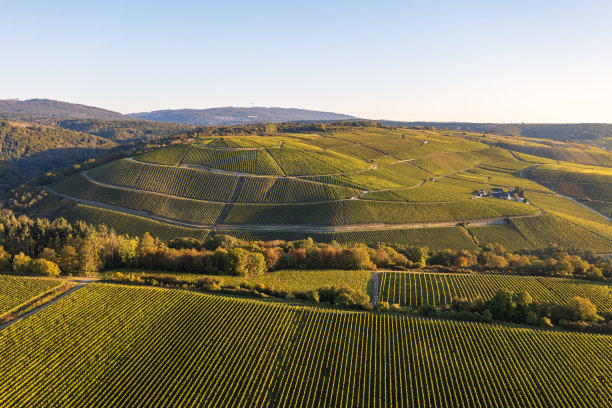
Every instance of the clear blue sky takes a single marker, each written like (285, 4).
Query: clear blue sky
(497, 61)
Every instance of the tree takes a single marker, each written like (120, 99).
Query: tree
(44, 267)
(357, 258)
(502, 305)
(256, 263)
(5, 260)
(581, 309)
(22, 263)
(236, 262)
(68, 260)
(88, 257)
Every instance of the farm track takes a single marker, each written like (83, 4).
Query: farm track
(291, 227)
(376, 287)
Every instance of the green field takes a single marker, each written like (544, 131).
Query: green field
(125, 346)
(438, 289)
(287, 280)
(15, 290)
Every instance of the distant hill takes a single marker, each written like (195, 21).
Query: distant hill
(124, 130)
(56, 109)
(236, 116)
(597, 133)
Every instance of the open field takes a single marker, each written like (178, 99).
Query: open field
(289, 280)
(125, 346)
(438, 289)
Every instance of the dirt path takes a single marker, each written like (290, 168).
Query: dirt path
(41, 307)
(376, 288)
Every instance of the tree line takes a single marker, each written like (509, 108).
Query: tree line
(81, 248)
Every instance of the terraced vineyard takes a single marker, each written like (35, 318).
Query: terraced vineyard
(359, 183)
(240, 161)
(134, 225)
(15, 290)
(503, 234)
(438, 289)
(158, 347)
(549, 229)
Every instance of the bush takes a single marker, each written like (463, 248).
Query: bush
(545, 322)
(210, 283)
(427, 310)
(532, 318)
(383, 306)
(44, 267)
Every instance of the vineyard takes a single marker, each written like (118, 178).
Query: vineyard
(133, 225)
(441, 238)
(438, 289)
(15, 290)
(549, 229)
(362, 211)
(503, 234)
(373, 179)
(240, 161)
(121, 346)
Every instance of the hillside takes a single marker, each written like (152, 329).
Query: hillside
(28, 150)
(56, 109)
(124, 130)
(351, 184)
(593, 133)
(235, 116)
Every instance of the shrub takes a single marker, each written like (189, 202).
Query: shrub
(383, 306)
(545, 322)
(486, 316)
(427, 310)
(210, 283)
(44, 267)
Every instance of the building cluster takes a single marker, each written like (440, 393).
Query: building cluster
(500, 193)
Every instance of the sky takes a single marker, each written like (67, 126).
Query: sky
(453, 60)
